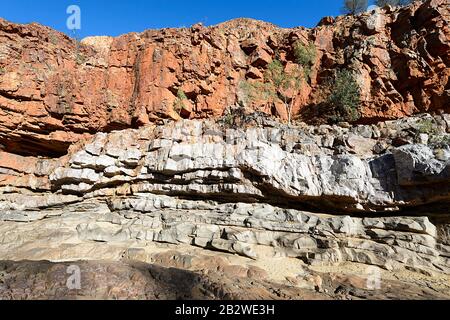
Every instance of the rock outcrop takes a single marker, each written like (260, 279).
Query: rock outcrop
(92, 167)
(55, 90)
(133, 280)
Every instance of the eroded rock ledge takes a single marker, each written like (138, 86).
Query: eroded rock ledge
(325, 195)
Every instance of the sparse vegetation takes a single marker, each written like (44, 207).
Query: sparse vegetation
(80, 58)
(257, 91)
(305, 55)
(440, 141)
(178, 104)
(345, 97)
(181, 95)
(2, 71)
(354, 6)
(382, 3)
(53, 39)
(228, 118)
(285, 84)
(371, 40)
(279, 85)
(238, 117)
(427, 126)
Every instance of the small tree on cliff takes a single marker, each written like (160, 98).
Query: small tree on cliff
(382, 3)
(354, 6)
(284, 84)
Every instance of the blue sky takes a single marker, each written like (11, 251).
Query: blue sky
(115, 17)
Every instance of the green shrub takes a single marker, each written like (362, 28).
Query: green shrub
(228, 118)
(427, 126)
(305, 55)
(382, 3)
(281, 80)
(181, 95)
(440, 140)
(254, 91)
(80, 58)
(2, 71)
(444, 141)
(275, 74)
(279, 85)
(345, 97)
(178, 104)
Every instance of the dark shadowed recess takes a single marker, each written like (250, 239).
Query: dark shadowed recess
(35, 147)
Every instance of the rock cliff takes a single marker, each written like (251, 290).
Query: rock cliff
(96, 163)
(55, 90)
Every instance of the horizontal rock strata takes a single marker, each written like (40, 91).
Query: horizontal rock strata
(325, 195)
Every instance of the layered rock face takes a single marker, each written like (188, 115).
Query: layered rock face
(93, 167)
(325, 195)
(55, 91)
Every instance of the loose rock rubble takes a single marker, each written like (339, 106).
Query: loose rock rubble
(55, 91)
(136, 280)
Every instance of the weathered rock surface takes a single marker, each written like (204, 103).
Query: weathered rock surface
(55, 91)
(325, 195)
(134, 280)
(283, 166)
(92, 169)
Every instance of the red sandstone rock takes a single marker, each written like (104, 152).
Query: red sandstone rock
(54, 91)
